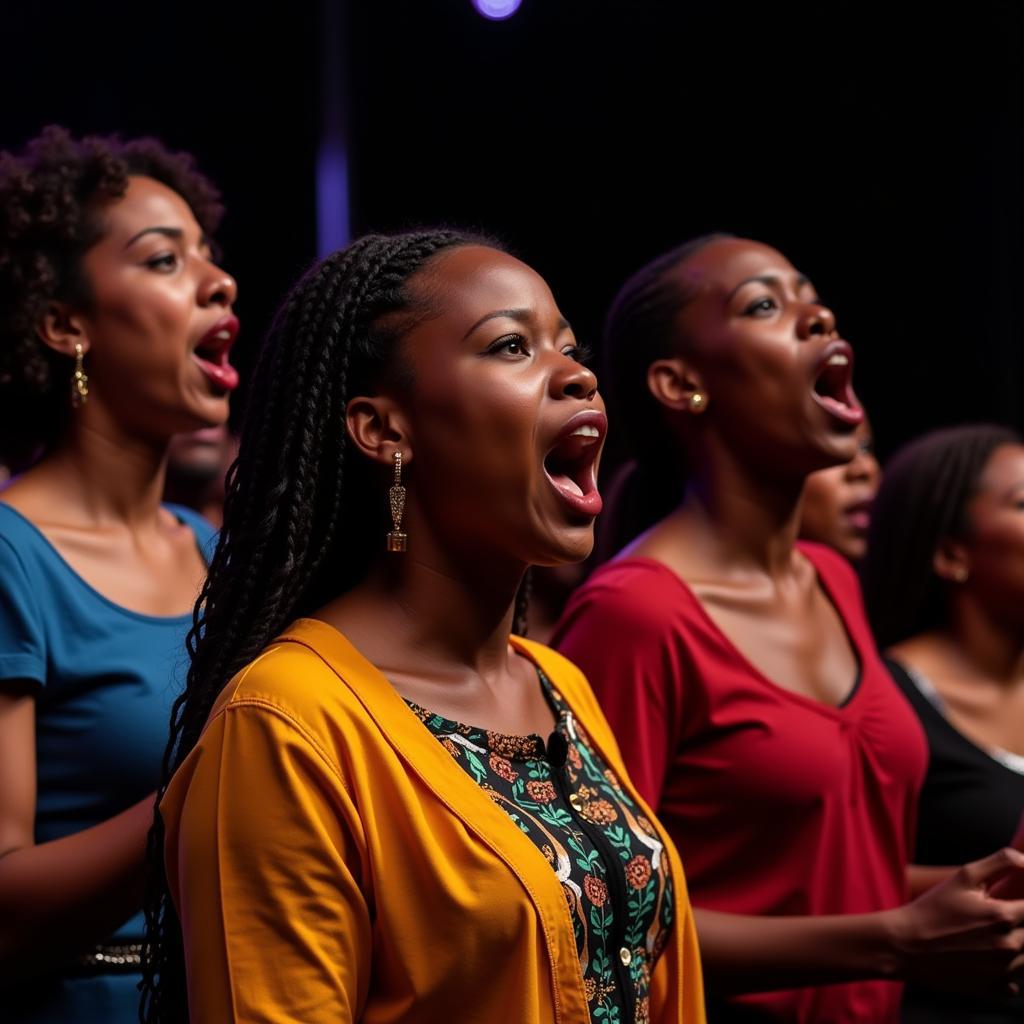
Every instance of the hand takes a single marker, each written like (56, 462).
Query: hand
(960, 935)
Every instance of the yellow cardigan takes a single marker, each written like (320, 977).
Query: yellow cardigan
(330, 862)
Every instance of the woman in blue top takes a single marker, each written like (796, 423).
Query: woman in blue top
(115, 326)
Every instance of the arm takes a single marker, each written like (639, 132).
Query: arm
(265, 861)
(79, 888)
(956, 935)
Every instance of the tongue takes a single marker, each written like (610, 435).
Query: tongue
(566, 481)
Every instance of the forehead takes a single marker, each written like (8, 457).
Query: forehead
(722, 265)
(146, 203)
(1005, 468)
(474, 280)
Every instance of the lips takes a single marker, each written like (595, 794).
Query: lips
(570, 463)
(858, 515)
(211, 353)
(833, 385)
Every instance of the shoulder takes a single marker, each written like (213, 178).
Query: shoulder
(638, 594)
(205, 532)
(830, 565)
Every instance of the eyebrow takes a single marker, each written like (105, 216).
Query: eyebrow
(521, 316)
(771, 280)
(168, 232)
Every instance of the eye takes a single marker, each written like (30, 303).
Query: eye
(165, 261)
(581, 353)
(761, 307)
(513, 345)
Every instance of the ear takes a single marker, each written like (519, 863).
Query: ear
(951, 561)
(61, 330)
(378, 427)
(673, 382)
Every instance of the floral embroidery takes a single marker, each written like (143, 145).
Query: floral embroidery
(542, 792)
(502, 768)
(638, 871)
(564, 812)
(596, 890)
(600, 812)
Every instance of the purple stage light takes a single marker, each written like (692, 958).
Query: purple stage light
(497, 10)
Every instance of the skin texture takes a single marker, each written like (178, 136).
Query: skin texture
(96, 497)
(750, 341)
(490, 395)
(837, 501)
(976, 660)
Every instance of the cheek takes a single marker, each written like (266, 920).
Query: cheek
(468, 433)
(998, 552)
(141, 326)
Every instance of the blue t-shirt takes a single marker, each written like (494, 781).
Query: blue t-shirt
(106, 679)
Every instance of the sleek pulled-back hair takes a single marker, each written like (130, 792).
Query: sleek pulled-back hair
(299, 519)
(51, 198)
(641, 327)
(925, 490)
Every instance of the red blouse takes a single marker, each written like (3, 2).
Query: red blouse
(779, 804)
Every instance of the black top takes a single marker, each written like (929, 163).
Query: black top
(611, 864)
(970, 805)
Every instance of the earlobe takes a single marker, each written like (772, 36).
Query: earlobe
(61, 330)
(676, 386)
(377, 427)
(951, 562)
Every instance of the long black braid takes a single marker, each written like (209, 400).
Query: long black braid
(296, 516)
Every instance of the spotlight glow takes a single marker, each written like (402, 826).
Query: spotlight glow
(497, 10)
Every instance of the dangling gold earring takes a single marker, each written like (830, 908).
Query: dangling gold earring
(698, 403)
(80, 381)
(396, 499)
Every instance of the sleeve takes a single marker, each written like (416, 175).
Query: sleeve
(622, 638)
(265, 864)
(22, 638)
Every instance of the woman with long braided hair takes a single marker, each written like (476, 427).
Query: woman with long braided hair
(379, 802)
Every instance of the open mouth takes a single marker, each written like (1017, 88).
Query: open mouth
(858, 515)
(833, 386)
(571, 463)
(211, 354)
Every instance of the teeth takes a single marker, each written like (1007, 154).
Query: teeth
(838, 360)
(223, 336)
(586, 431)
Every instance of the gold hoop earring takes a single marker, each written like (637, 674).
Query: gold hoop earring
(698, 402)
(80, 380)
(396, 499)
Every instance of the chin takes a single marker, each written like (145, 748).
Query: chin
(567, 548)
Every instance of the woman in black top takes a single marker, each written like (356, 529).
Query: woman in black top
(944, 584)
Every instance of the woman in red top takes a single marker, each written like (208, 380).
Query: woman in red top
(738, 669)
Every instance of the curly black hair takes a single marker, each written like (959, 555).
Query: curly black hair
(50, 199)
(297, 522)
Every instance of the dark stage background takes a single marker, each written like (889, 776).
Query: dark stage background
(878, 146)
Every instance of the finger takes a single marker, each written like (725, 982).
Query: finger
(993, 867)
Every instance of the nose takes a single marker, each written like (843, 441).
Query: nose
(816, 321)
(217, 288)
(573, 380)
(863, 467)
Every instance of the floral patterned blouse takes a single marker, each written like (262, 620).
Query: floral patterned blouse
(603, 850)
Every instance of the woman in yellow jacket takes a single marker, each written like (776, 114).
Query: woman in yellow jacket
(384, 807)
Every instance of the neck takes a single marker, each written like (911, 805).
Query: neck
(449, 606)
(993, 649)
(747, 518)
(112, 475)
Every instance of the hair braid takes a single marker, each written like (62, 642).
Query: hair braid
(291, 534)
